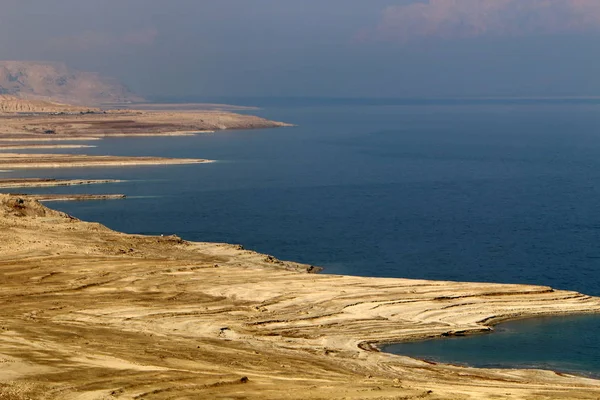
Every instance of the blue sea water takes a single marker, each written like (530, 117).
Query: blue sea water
(492, 191)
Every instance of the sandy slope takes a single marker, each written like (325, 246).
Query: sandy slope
(88, 313)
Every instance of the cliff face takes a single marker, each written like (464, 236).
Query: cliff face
(56, 82)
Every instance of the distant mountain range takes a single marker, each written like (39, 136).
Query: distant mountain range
(55, 82)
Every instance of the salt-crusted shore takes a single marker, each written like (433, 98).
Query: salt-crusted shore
(89, 313)
(9, 183)
(71, 197)
(125, 123)
(34, 130)
(10, 161)
(37, 146)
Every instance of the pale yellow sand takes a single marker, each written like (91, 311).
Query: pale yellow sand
(88, 313)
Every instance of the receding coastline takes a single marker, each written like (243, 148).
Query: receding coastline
(70, 197)
(34, 129)
(126, 122)
(39, 146)
(92, 313)
(8, 183)
(30, 161)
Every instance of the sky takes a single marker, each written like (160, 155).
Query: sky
(317, 48)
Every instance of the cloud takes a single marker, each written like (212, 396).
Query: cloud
(473, 18)
(93, 40)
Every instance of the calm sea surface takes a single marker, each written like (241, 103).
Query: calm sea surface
(493, 191)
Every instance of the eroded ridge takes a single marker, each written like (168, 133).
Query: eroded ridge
(89, 313)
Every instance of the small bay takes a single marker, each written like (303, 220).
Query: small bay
(530, 343)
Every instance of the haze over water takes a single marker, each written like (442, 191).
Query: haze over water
(494, 191)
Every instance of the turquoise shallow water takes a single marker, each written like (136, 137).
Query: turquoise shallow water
(503, 191)
(531, 343)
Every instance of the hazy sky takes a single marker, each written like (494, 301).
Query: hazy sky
(399, 48)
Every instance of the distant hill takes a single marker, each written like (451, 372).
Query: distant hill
(55, 82)
(13, 104)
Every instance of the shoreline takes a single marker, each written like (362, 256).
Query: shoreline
(46, 138)
(439, 358)
(43, 146)
(42, 198)
(76, 197)
(10, 183)
(128, 123)
(209, 317)
(11, 161)
(224, 314)
(34, 130)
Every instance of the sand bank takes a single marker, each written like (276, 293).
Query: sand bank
(72, 197)
(7, 183)
(131, 123)
(89, 313)
(37, 146)
(45, 138)
(30, 161)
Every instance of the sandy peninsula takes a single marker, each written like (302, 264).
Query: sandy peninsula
(32, 124)
(89, 313)
(34, 130)
(126, 123)
(71, 197)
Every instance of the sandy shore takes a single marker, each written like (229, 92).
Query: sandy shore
(8, 183)
(37, 146)
(34, 130)
(127, 122)
(26, 138)
(71, 197)
(89, 313)
(10, 161)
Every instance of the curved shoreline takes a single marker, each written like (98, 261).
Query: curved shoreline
(501, 338)
(203, 316)
(96, 314)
